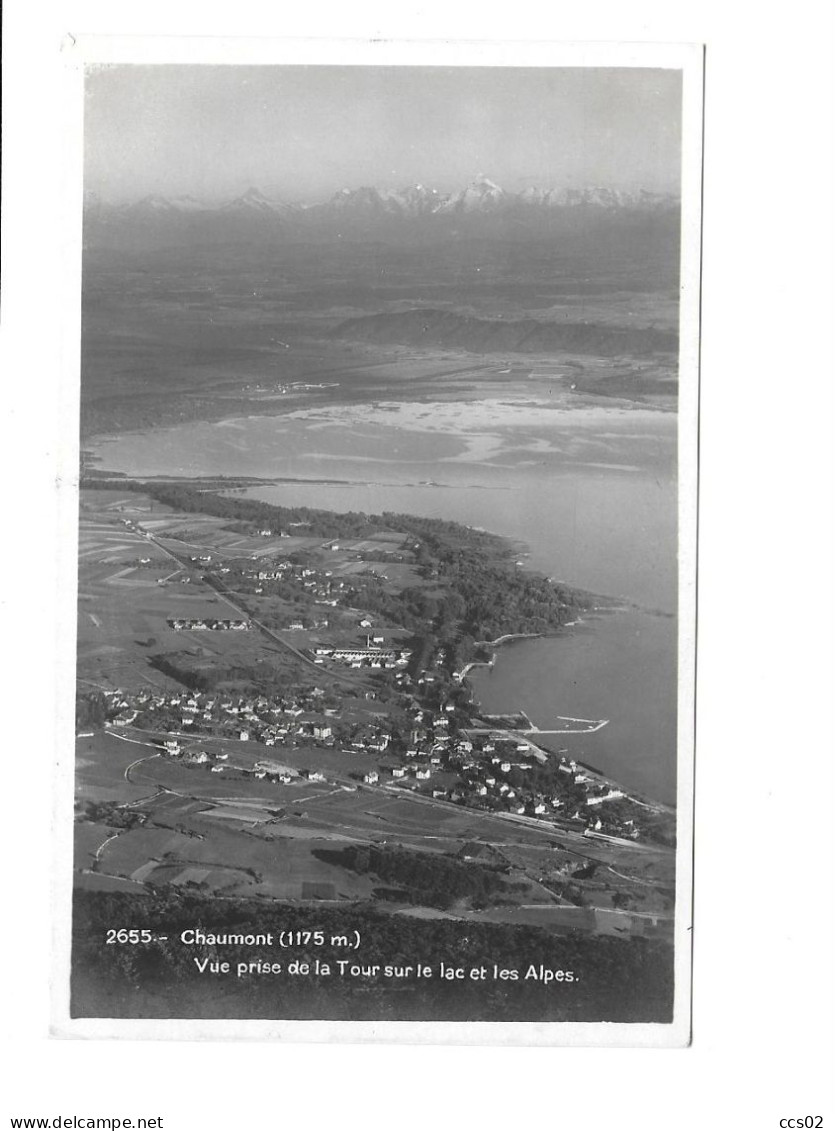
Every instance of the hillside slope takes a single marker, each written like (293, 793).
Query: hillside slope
(429, 327)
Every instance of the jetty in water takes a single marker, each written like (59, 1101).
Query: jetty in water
(572, 726)
(518, 728)
(519, 722)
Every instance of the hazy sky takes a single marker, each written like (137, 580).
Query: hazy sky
(303, 132)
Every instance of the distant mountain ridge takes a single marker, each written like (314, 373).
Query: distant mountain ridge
(480, 195)
(482, 210)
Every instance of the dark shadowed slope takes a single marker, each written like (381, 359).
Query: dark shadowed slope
(429, 327)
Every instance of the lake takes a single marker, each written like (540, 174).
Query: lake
(590, 496)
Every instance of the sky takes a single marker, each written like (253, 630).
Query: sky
(301, 133)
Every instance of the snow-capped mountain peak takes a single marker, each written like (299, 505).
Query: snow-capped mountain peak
(480, 195)
(253, 200)
(364, 198)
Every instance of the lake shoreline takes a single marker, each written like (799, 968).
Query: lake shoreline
(556, 518)
(601, 777)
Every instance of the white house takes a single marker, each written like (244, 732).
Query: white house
(612, 795)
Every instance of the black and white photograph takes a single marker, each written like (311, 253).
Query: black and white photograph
(385, 534)
(417, 565)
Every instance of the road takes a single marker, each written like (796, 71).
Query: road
(104, 845)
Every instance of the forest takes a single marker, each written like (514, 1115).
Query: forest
(420, 877)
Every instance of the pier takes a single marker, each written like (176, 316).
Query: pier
(503, 723)
(583, 726)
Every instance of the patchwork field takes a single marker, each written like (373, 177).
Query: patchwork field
(237, 835)
(130, 590)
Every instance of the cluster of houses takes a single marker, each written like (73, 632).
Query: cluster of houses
(374, 654)
(480, 783)
(308, 582)
(316, 584)
(299, 625)
(266, 719)
(173, 748)
(487, 780)
(210, 624)
(490, 771)
(430, 753)
(218, 761)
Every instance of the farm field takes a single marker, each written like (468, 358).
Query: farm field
(238, 836)
(132, 589)
(101, 766)
(87, 838)
(129, 592)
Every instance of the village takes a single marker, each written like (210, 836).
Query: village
(261, 696)
(391, 707)
(436, 753)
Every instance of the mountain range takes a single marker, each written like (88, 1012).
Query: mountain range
(482, 209)
(480, 195)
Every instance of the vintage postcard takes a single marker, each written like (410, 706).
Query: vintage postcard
(386, 513)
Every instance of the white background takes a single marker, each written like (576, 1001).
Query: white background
(762, 974)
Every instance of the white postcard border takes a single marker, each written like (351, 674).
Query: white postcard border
(82, 51)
